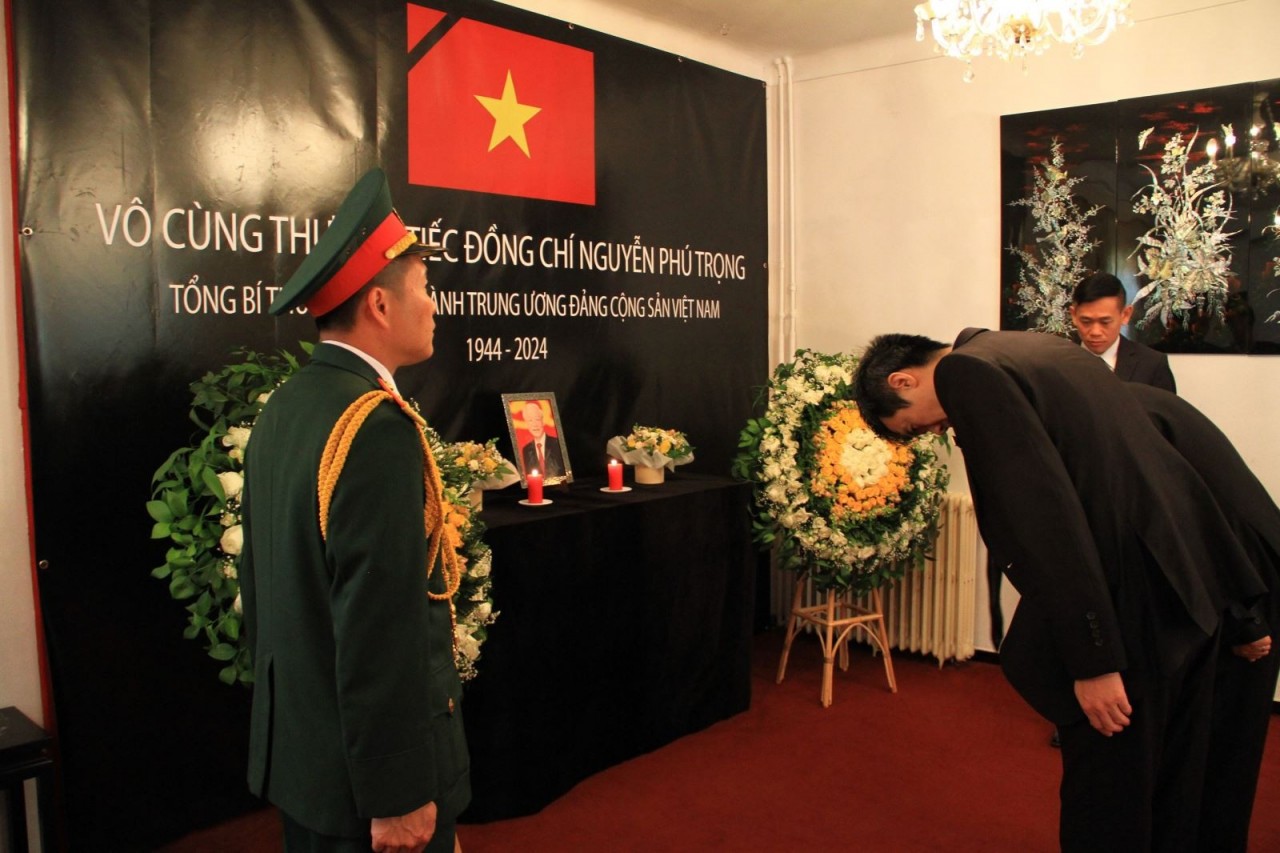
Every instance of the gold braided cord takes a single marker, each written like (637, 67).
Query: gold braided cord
(334, 458)
(336, 448)
(397, 248)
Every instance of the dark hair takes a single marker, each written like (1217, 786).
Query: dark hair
(343, 318)
(1100, 285)
(888, 354)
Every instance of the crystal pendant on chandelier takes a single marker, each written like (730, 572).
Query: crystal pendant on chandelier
(1016, 29)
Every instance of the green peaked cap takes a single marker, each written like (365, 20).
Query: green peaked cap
(366, 234)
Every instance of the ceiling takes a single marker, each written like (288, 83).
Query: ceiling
(781, 27)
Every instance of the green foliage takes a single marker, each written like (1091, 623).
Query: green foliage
(191, 508)
(196, 506)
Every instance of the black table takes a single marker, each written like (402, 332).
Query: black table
(625, 622)
(26, 753)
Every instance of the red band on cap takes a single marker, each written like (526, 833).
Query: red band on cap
(364, 263)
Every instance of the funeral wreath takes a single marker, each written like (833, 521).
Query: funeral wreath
(195, 505)
(836, 500)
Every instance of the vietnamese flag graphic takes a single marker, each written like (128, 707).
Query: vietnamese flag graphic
(496, 111)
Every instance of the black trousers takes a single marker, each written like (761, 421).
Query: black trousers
(1140, 790)
(300, 839)
(1242, 697)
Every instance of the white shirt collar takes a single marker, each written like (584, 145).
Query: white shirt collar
(373, 362)
(1109, 354)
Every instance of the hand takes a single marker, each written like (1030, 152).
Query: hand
(1104, 702)
(1255, 651)
(405, 834)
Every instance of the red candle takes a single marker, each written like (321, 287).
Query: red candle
(615, 475)
(534, 481)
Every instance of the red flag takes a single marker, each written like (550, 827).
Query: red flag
(492, 110)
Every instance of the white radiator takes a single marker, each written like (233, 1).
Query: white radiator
(930, 611)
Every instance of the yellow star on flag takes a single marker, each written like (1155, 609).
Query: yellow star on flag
(509, 117)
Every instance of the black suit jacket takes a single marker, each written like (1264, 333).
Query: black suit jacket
(1122, 557)
(1244, 501)
(1138, 363)
(551, 451)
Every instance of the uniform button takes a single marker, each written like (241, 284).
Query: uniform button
(451, 706)
(1091, 615)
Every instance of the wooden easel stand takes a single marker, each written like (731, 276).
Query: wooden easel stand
(836, 620)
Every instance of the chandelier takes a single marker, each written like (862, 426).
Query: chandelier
(1016, 29)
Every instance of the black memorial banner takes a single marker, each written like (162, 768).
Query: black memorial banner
(603, 209)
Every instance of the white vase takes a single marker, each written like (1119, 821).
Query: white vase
(647, 476)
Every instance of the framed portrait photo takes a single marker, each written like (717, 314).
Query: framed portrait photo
(537, 436)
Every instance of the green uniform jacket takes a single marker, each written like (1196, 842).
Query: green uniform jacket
(356, 701)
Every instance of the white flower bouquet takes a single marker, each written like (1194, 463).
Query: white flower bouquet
(652, 447)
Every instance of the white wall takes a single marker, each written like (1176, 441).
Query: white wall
(19, 669)
(19, 672)
(636, 27)
(898, 182)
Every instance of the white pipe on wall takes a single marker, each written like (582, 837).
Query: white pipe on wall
(786, 332)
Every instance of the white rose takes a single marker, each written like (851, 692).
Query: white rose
(467, 644)
(232, 482)
(776, 493)
(481, 567)
(482, 611)
(237, 436)
(236, 454)
(236, 605)
(232, 540)
(229, 570)
(228, 519)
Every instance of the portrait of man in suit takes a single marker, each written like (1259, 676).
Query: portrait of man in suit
(534, 421)
(1099, 312)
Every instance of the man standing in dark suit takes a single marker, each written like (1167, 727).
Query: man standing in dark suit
(1099, 311)
(347, 576)
(1124, 561)
(1247, 666)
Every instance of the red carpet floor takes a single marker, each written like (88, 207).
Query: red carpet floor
(953, 762)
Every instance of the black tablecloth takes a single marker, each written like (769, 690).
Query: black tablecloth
(625, 622)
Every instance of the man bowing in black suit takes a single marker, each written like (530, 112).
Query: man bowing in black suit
(1247, 665)
(1123, 558)
(1099, 311)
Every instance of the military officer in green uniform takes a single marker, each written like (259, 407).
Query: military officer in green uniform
(356, 729)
